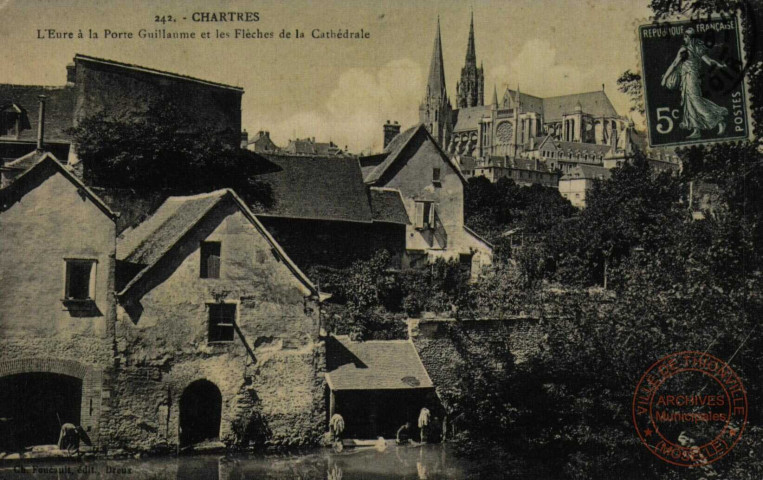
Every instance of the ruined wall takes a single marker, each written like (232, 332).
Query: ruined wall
(119, 90)
(162, 342)
(443, 343)
(39, 331)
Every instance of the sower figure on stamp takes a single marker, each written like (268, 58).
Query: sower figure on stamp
(685, 72)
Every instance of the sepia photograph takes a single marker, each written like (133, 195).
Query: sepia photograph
(381, 239)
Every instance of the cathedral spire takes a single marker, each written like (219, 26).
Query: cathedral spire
(471, 54)
(470, 89)
(495, 95)
(436, 83)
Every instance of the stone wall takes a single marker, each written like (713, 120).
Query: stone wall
(119, 89)
(39, 330)
(442, 343)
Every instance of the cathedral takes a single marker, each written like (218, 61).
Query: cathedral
(561, 132)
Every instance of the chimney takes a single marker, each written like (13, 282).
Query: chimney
(267, 134)
(391, 130)
(71, 74)
(244, 138)
(41, 124)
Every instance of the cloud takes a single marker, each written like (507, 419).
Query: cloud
(363, 99)
(538, 71)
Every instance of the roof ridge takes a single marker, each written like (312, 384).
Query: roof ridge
(155, 71)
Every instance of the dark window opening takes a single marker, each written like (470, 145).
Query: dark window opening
(435, 175)
(221, 319)
(8, 121)
(210, 259)
(78, 273)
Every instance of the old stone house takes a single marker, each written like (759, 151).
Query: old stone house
(217, 333)
(323, 213)
(57, 305)
(432, 188)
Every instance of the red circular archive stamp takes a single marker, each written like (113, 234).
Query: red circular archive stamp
(690, 409)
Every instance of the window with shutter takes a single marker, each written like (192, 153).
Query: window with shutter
(222, 316)
(420, 214)
(431, 217)
(210, 260)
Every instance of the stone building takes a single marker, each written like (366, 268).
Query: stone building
(217, 334)
(262, 143)
(324, 214)
(575, 184)
(115, 89)
(432, 189)
(57, 306)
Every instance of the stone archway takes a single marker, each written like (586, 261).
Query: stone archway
(38, 394)
(200, 412)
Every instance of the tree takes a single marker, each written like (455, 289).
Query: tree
(162, 149)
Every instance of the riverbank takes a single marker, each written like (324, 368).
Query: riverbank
(394, 462)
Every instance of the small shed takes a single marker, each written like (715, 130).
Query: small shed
(377, 385)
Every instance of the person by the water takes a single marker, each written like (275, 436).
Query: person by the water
(403, 436)
(698, 112)
(424, 417)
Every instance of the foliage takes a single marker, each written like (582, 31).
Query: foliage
(631, 211)
(629, 83)
(495, 208)
(163, 149)
(372, 301)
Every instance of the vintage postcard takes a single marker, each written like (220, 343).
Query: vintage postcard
(393, 239)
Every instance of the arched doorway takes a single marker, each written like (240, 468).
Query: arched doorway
(34, 405)
(200, 411)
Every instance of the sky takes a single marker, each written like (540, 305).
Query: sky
(330, 89)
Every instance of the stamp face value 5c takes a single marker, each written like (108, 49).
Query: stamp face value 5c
(693, 74)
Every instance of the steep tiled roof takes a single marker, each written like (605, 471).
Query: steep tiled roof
(387, 206)
(468, 118)
(594, 103)
(396, 147)
(318, 188)
(147, 243)
(374, 365)
(59, 109)
(530, 103)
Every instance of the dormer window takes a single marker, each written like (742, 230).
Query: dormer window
(10, 120)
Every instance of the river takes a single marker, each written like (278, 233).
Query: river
(425, 462)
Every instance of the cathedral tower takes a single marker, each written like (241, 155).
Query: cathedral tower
(435, 110)
(471, 89)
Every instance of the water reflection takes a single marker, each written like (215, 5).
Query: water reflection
(431, 462)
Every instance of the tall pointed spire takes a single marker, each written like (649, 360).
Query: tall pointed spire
(471, 54)
(495, 95)
(436, 82)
